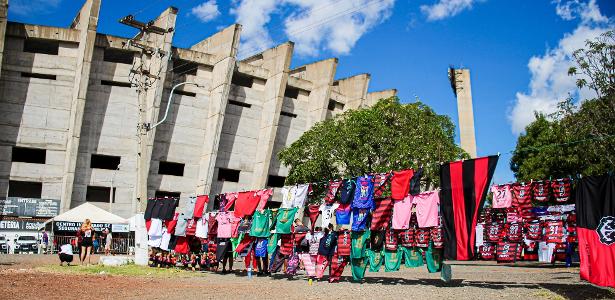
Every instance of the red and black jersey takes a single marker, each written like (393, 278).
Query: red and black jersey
(533, 230)
(406, 237)
(286, 244)
(436, 237)
(522, 195)
(554, 231)
(381, 216)
(493, 232)
(530, 252)
(571, 228)
(381, 184)
(513, 231)
(540, 190)
(334, 186)
(487, 251)
(390, 240)
(560, 252)
(485, 216)
(561, 189)
(421, 237)
(376, 240)
(344, 243)
(526, 213)
(507, 252)
(512, 214)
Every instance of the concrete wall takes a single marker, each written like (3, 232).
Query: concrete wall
(218, 124)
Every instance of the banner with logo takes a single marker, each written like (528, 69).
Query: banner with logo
(70, 228)
(20, 225)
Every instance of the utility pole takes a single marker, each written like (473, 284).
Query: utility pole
(147, 76)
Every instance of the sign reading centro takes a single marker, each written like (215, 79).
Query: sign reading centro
(72, 227)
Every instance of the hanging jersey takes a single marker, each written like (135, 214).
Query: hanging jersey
(392, 260)
(540, 190)
(376, 240)
(494, 232)
(436, 237)
(359, 243)
(533, 230)
(332, 191)
(561, 189)
(383, 213)
(522, 195)
(343, 243)
(512, 215)
(314, 241)
(406, 237)
(375, 260)
(530, 252)
(391, 242)
(571, 228)
(560, 252)
(358, 266)
(381, 185)
(506, 252)
(421, 237)
(554, 231)
(360, 219)
(364, 193)
(347, 191)
(412, 257)
(487, 251)
(502, 196)
(513, 231)
(261, 222)
(342, 214)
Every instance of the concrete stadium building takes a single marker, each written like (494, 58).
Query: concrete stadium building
(69, 115)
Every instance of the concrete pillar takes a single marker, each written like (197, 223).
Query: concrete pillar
(86, 22)
(277, 61)
(321, 74)
(355, 90)
(224, 46)
(373, 97)
(460, 81)
(4, 9)
(153, 95)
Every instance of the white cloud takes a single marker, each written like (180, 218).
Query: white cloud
(334, 25)
(550, 83)
(28, 7)
(206, 11)
(446, 8)
(254, 15)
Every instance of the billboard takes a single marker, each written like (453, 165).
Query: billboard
(20, 225)
(29, 207)
(70, 228)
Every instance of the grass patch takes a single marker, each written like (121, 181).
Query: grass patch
(546, 294)
(126, 270)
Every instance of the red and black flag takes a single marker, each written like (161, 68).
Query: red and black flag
(464, 186)
(595, 204)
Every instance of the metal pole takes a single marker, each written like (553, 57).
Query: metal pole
(170, 102)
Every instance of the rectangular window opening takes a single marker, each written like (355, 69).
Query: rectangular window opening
(163, 194)
(115, 83)
(38, 75)
(99, 194)
(291, 92)
(170, 168)
(228, 175)
(288, 114)
(239, 103)
(333, 105)
(276, 181)
(184, 93)
(107, 162)
(29, 155)
(183, 67)
(25, 189)
(242, 80)
(34, 45)
(118, 56)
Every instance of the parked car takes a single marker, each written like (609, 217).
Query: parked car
(4, 247)
(26, 243)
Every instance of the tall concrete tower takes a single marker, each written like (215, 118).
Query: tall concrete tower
(460, 82)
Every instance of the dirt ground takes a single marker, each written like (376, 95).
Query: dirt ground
(36, 276)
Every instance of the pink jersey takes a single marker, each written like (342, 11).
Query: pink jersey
(502, 196)
(401, 213)
(427, 204)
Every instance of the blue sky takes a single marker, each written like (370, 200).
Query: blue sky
(517, 53)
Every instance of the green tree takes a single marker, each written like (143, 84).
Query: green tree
(387, 136)
(579, 138)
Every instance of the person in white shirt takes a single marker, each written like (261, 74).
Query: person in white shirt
(66, 254)
(108, 240)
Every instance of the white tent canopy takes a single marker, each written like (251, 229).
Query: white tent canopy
(88, 211)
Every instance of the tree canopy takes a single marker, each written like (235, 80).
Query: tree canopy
(388, 136)
(579, 138)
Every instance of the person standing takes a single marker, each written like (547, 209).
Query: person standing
(87, 241)
(45, 242)
(108, 241)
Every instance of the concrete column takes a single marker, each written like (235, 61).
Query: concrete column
(321, 74)
(355, 90)
(224, 46)
(277, 61)
(4, 9)
(460, 80)
(153, 95)
(86, 22)
(373, 97)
